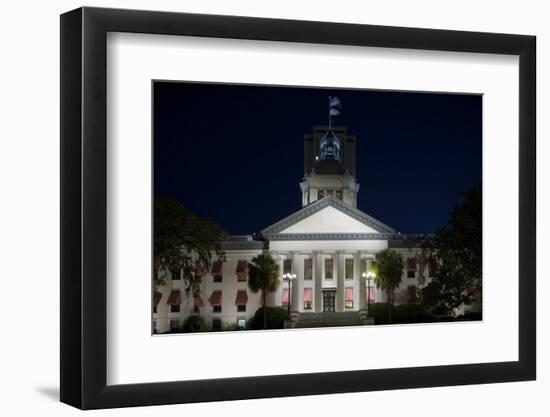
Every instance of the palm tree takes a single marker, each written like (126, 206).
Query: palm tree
(263, 275)
(388, 265)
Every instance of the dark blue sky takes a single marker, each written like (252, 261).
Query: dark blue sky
(234, 153)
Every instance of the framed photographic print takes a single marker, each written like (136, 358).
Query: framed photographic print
(355, 202)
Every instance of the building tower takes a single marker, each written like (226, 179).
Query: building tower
(329, 162)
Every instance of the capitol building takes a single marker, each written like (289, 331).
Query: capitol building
(325, 247)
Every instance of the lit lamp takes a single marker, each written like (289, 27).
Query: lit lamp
(289, 277)
(368, 276)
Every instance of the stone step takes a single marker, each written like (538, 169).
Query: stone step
(309, 320)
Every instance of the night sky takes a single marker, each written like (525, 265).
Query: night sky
(234, 153)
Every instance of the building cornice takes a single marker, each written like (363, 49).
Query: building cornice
(244, 245)
(331, 236)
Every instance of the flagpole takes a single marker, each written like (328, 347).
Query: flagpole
(329, 116)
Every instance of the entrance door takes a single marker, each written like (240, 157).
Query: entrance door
(328, 300)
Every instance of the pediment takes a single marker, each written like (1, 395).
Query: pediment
(329, 220)
(327, 217)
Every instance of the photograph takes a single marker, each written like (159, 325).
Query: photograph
(298, 207)
(250, 208)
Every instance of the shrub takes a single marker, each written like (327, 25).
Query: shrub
(404, 313)
(195, 324)
(251, 323)
(470, 316)
(411, 313)
(276, 317)
(233, 327)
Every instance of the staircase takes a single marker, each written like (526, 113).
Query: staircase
(309, 320)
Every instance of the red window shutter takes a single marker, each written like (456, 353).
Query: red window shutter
(242, 297)
(411, 264)
(217, 268)
(216, 298)
(174, 298)
(242, 267)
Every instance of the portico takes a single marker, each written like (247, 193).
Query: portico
(328, 265)
(339, 289)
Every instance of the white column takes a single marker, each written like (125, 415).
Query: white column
(357, 294)
(318, 283)
(340, 273)
(297, 296)
(362, 267)
(274, 298)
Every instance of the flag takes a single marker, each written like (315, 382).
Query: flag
(334, 111)
(334, 102)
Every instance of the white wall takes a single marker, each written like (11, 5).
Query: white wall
(229, 287)
(29, 212)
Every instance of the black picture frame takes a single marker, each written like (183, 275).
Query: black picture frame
(84, 207)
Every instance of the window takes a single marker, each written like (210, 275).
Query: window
(287, 266)
(329, 265)
(176, 276)
(241, 300)
(285, 297)
(349, 268)
(308, 268)
(196, 310)
(411, 267)
(242, 270)
(215, 301)
(217, 271)
(241, 323)
(216, 324)
(308, 298)
(155, 309)
(174, 301)
(330, 192)
(348, 295)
